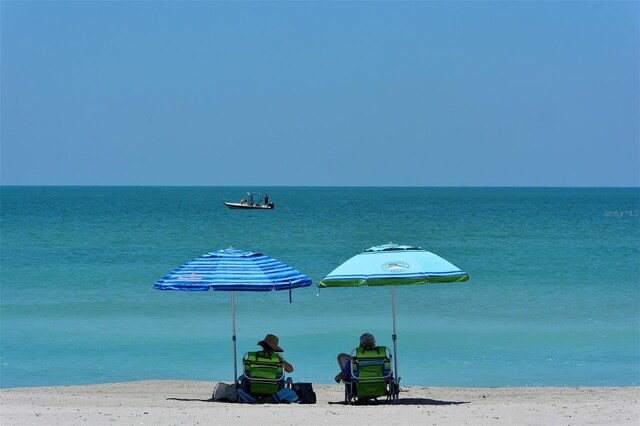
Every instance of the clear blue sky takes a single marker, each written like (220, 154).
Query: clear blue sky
(320, 93)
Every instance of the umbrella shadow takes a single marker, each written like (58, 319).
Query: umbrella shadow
(405, 401)
(191, 399)
(428, 401)
(401, 401)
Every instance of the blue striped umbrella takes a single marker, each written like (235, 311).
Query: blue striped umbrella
(393, 264)
(233, 270)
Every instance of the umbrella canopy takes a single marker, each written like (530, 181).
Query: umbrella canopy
(233, 270)
(393, 264)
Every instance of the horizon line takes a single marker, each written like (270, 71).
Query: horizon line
(310, 186)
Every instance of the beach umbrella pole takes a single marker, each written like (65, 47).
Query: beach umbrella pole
(233, 338)
(394, 336)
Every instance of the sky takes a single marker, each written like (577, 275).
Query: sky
(308, 93)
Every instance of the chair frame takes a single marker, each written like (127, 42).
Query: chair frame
(279, 379)
(392, 385)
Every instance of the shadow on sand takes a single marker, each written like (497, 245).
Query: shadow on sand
(427, 401)
(401, 401)
(406, 401)
(191, 399)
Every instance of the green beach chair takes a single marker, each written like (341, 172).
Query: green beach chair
(263, 373)
(371, 376)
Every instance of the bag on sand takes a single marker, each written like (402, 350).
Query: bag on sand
(245, 397)
(225, 392)
(305, 393)
(285, 396)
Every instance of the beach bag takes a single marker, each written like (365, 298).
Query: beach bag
(245, 397)
(305, 393)
(225, 392)
(285, 396)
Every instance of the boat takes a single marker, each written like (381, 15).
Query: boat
(249, 203)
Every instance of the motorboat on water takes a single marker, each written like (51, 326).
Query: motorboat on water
(249, 203)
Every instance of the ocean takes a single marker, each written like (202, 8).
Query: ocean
(553, 297)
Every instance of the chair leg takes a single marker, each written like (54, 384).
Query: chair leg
(349, 398)
(396, 391)
(346, 394)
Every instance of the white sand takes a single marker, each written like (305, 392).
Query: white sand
(184, 402)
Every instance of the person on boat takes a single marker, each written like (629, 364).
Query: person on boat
(367, 341)
(266, 199)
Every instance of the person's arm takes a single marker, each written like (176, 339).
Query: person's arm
(287, 367)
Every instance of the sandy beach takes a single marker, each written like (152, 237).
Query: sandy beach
(169, 402)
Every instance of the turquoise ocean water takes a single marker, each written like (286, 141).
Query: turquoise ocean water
(553, 298)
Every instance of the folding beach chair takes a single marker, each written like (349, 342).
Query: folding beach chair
(263, 373)
(371, 376)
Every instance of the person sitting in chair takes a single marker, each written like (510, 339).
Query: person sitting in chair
(263, 371)
(367, 341)
(270, 344)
